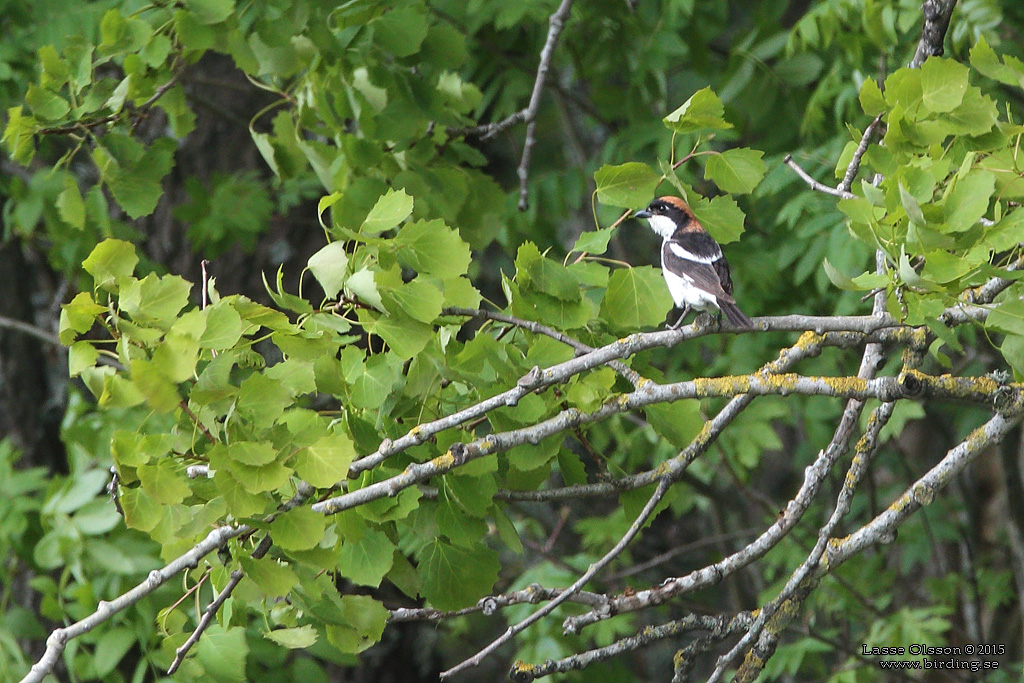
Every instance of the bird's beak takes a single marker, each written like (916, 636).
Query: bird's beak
(642, 213)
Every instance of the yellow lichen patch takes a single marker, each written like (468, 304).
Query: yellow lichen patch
(445, 461)
(705, 387)
(808, 339)
(845, 386)
(781, 384)
(415, 431)
(900, 503)
(521, 667)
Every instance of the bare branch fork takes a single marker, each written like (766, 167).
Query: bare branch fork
(528, 114)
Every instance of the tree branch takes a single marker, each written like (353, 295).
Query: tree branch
(214, 606)
(105, 610)
(814, 184)
(631, 375)
(936, 22)
(529, 113)
(216, 539)
(720, 627)
(592, 571)
(532, 594)
(31, 330)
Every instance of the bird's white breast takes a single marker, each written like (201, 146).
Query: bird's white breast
(684, 293)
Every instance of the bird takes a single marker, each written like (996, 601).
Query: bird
(692, 262)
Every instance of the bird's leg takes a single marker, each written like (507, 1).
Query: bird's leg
(686, 311)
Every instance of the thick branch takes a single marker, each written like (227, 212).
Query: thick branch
(936, 22)
(631, 375)
(622, 348)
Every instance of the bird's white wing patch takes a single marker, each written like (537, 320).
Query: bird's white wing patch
(682, 253)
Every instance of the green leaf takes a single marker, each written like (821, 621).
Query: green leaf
(678, 422)
(276, 580)
(297, 638)
(943, 84)
(455, 577)
(223, 326)
(330, 268)
(702, 111)
(539, 273)
(459, 291)
(81, 355)
(911, 206)
(1007, 317)
(164, 481)
(636, 298)
(367, 560)
(1012, 349)
(46, 105)
(594, 241)
(262, 399)
(968, 201)
(155, 298)
(903, 88)
(420, 299)
(137, 186)
(70, 205)
(986, 61)
(159, 391)
(362, 285)
(113, 645)
(298, 529)
(223, 652)
(211, 11)
(628, 185)
(390, 210)
(405, 337)
(871, 99)
(721, 217)
(362, 623)
(737, 171)
(325, 462)
(976, 115)
(254, 453)
(433, 248)
(110, 259)
(19, 135)
(401, 31)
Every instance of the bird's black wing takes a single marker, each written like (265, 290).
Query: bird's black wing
(698, 257)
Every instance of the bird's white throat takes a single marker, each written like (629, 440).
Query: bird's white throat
(663, 225)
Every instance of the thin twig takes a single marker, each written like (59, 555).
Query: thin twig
(592, 571)
(555, 24)
(214, 606)
(528, 113)
(858, 155)
(814, 184)
(29, 329)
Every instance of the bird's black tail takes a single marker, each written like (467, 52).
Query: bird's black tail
(735, 316)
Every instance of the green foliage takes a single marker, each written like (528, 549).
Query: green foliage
(363, 121)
